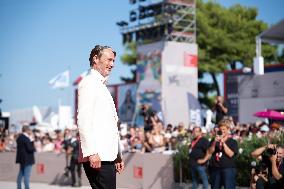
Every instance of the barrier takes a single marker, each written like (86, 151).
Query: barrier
(153, 171)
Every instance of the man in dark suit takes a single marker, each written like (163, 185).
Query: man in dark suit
(25, 156)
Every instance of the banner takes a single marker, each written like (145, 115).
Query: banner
(149, 75)
(180, 83)
(60, 81)
(127, 102)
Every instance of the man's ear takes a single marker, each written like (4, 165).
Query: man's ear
(95, 59)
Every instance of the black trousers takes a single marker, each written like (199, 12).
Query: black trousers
(76, 172)
(103, 178)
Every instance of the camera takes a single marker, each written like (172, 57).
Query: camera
(269, 152)
(266, 156)
(259, 174)
(143, 108)
(219, 133)
(261, 168)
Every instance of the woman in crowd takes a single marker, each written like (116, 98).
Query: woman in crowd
(2, 145)
(157, 140)
(147, 144)
(223, 149)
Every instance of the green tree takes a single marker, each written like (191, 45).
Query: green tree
(226, 36)
(129, 58)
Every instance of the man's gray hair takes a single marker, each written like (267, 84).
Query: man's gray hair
(97, 51)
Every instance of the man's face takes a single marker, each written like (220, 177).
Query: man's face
(280, 154)
(105, 63)
(196, 132)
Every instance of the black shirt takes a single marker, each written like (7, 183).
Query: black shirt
(277, 184)
(219, 112)
(220, 159)
(198, 151)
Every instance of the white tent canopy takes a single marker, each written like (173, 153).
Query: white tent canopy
(274, 35)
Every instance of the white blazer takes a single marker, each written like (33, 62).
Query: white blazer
(97, 119)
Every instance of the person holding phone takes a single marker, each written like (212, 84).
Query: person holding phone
(220, 109)
(223, 150)
(25, 156)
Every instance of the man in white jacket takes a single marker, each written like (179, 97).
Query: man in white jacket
(97, 122)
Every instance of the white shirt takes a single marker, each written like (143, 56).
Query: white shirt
(97, 119)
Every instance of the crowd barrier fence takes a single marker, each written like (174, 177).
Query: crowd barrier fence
(149, 171)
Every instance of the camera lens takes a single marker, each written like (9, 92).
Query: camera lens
(270, 152)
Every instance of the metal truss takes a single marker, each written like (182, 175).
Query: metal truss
(179, 18)
(183, 20)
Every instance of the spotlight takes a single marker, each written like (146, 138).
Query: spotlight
(142, 12)
(133, 16)
(122, 23)
(132, 2)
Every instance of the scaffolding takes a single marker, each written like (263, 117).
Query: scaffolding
(168, 20)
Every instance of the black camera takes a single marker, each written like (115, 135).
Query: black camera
(219, 133)
(269, 152)
(266, 156)
(260, 168)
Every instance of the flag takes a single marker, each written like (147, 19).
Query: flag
(60, 80)
(190, 60)
(81, 76)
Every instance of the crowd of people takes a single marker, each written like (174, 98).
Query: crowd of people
(159, 138)
(53, 142)
(213, 149)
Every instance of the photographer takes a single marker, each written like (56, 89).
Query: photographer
(259, 176)
(222, 165)
(277, 168)
(147, 114)
(272, 158)
(220, 109)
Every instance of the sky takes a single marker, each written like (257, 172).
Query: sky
(41, 38)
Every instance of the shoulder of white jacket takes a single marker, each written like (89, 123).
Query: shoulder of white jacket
(87, 80)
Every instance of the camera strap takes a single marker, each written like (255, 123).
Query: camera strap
(219, 154)
(193, 143)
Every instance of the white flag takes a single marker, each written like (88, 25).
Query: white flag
(60, 81)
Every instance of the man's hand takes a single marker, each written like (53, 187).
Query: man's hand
(271, 146)
(223, 140)
(218, 138)
(263, 176)
(95, 161)
(31, 136)
(200, 161)
(273, 158)
(119, 165)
